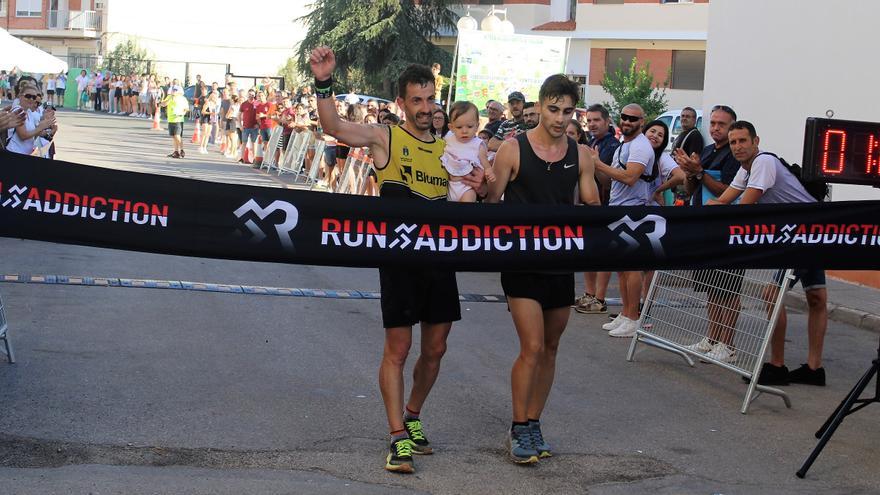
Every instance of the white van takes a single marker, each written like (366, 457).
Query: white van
(672, 119)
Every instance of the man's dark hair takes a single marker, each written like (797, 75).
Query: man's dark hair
(689, 109)
(726, 109)
(744, 124)
(528, 104)
(595, 107)
(414, 74)
(557, 86)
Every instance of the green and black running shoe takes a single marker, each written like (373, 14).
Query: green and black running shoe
(421, 445)
(400, 458)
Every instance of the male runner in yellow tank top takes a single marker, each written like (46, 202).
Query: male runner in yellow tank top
(407, 163)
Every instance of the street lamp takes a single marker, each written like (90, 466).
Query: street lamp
(467, 23)
(490, 23)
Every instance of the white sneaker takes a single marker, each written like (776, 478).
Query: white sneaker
(616, 322)
(702, 346)
(625, 329)
(722, 352)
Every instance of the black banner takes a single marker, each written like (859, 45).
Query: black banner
(78, 204)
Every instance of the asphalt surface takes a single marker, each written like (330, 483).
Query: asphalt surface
(129, 390)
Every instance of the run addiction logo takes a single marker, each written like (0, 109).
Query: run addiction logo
(70, 204)
(862, 234)
(648, 231)
(450, 238)
(283, 229)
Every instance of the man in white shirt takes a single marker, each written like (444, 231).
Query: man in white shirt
(630, 173)
(763, 179)
(82, 87)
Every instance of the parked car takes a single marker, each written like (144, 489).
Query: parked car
(356, 98)
(672, 119)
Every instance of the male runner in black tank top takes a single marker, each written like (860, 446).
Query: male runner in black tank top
(409, 296)
(541, 166)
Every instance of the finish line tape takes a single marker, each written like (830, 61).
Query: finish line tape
(221, 288)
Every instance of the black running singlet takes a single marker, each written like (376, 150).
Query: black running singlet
(539, 182)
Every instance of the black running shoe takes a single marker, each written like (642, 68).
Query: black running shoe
(400, 458)
(772, 375)
(808, 376)
(182, 154)
(421, 445)
(174, 155)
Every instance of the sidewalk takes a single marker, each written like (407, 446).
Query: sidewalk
(848, 303)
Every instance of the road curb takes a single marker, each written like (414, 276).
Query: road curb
(837, 312)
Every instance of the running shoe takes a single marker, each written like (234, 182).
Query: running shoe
(541, 446)
(521, 447)
(616, 322)
(174, 155)
(591, 305)
(703, 346)
(772, 375)
(421, 445)
(722, 352)
(625, 329)
(807, 376)
(400, 458)
(182, 154)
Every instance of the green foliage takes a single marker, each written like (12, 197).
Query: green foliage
(128, 58)
(374, 41)
(293, 77)
(635, 85)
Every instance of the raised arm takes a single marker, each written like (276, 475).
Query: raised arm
(323, 62)
(589, 193)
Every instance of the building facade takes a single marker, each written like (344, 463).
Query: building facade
(69, 29)
(668, 36)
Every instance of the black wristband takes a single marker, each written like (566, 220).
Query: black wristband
(324, 85)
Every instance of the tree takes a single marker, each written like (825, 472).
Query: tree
(128, 58)
(374, 41)
(635, 85)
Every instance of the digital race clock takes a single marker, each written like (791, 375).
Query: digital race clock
(842, 151)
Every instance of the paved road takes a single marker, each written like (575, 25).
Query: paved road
(129, 390)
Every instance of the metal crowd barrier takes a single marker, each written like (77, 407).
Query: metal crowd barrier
(4, 327)
(274, 138)
(685, 306)
(355, 173)
(295, 154)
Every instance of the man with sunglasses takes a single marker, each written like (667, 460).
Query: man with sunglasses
(630, 172)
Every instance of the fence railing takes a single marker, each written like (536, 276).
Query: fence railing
(75, 19)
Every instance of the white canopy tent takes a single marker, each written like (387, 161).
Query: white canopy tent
(28, 58)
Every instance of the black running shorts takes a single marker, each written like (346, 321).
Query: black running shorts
(550, 290)
(413, 296)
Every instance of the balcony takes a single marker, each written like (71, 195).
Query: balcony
(74, 20)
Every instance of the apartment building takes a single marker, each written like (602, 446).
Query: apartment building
(69, 29)
(669, 36)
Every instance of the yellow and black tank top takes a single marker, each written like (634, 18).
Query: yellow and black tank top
(414, 169)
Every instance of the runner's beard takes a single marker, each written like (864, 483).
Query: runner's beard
(417, 123)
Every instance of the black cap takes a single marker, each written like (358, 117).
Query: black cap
(516, 95)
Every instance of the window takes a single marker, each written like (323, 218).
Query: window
(618, 59)
(29, 8)
(608, 2)
(688, 69)
(3, 7)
